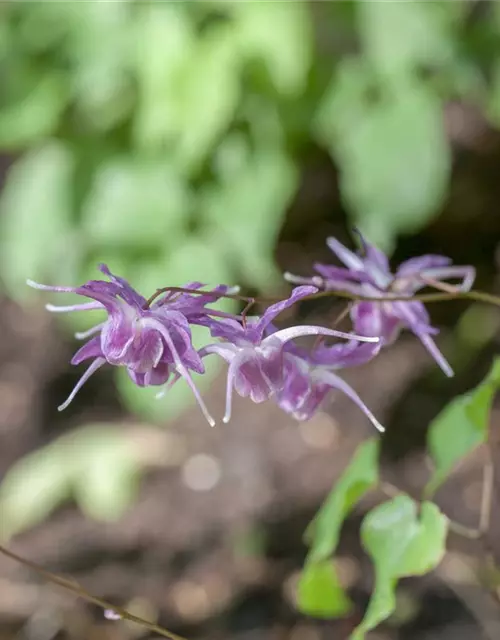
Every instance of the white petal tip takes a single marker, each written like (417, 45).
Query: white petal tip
(61, 407)
(226, 419)
(379, 427)
(33, 284)
(289, 277)
(159, 395)
(211, 422)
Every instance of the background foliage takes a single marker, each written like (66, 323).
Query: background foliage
(167, 139)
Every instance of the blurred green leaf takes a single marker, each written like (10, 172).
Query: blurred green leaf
(95, 464)
(165, 41)
(281, 35)
(35, 117)
(107, 476)
(399, 36)
(35, 222)
(136, 204)
(400, 544)
(395, 159)
(208, 95)
(99, 49)
(320, 593)
(35, 486)
(360, 476)
(461, 427)
(245, 212)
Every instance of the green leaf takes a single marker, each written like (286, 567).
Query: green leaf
(36, 116)
(281, 35)
(400, 544)
(165, 40)
(360, 476)
(208, 95)
(107, 479)
(394, 155)
(246, 210)
(134, 204)
(99, 49)
(399, 36)
(35, 221)
(35, 486)
(95, 464)
(461, 427)
(319, 592)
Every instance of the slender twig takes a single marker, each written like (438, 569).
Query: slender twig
(78, 590)
(478, 296)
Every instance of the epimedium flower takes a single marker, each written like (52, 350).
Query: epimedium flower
(310, 376)
(152, 341)
(256, 358)
(368, 274)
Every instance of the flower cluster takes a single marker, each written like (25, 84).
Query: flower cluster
(152, 340)
(368, 275)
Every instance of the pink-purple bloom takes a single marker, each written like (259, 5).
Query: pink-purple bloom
(368, 274)
(257, 359)
(310, 376)
(153, 341)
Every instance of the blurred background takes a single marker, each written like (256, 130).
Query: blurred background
(223, 142)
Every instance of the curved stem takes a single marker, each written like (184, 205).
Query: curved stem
(74, 587)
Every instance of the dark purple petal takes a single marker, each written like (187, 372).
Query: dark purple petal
(92, 349)
(274, 310)
(375, 319)
(127, 292)
(145, 352)
(155, 377)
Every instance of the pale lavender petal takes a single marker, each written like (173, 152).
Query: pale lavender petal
(83, 335)
(315, 281)
(336, 382)
(309, 330)
(423, 331)
(90, 350)
(249, 380)
(367, 318)
(345, 255)
(275, 309)
(414, 266)
(467, 274)
(376, 257)
(85, 306)
(48, 287)
(432, 348)
(98, 362)
(297, 386)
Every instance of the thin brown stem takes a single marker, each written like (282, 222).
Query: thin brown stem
(478, 296)
(74, 587)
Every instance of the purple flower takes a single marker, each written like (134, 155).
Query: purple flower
(370, 275)
(309, 377)
(152, 342)
(256, 361)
